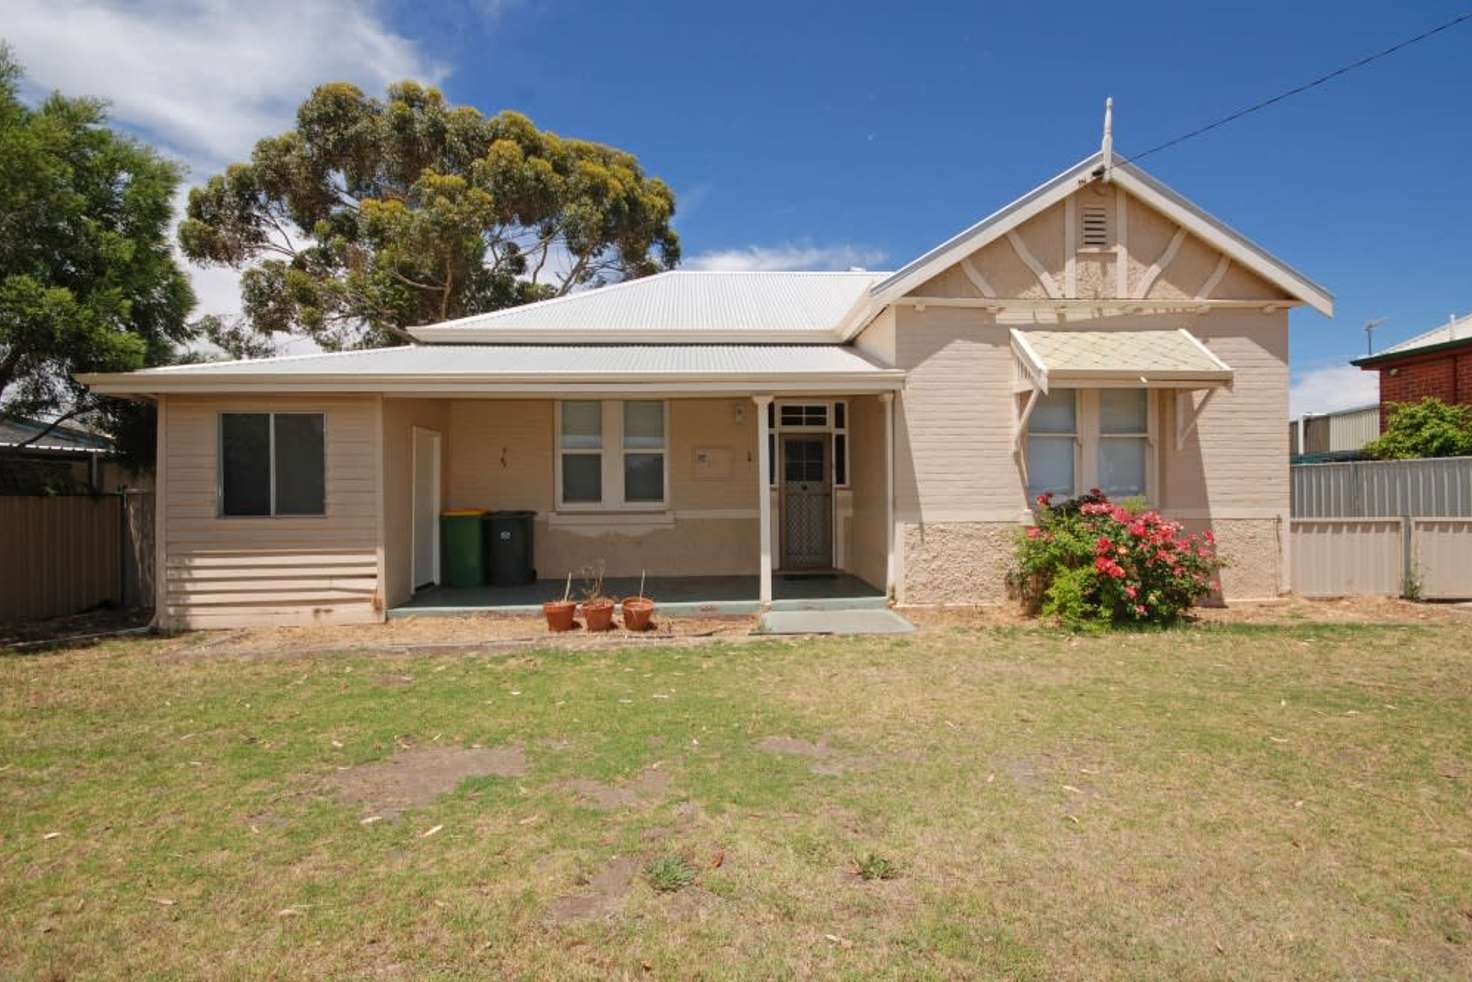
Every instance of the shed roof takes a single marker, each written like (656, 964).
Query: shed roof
(527, 368)
(1164, 358)
(698, 306)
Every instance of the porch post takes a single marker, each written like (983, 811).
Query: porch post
(887, 398)
(764, 496)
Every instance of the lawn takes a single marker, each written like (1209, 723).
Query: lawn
(1223, 800)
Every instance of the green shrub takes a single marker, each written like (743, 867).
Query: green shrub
(1089, 563)
(1429, 428)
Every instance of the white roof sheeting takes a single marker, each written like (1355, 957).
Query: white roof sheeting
(1459, 329)
(772, 307)
(528, 368)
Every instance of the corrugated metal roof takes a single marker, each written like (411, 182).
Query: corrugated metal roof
(757, 367)
(1456, 330)
(1125, 353)
(773, 306)
(15, 431)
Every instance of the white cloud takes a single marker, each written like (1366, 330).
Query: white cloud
(789, 256)
(206, 79)
(1330, 387)
(210, 77)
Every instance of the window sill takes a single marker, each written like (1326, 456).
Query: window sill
(643, 517)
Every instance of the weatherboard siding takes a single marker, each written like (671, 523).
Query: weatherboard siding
(240, 571)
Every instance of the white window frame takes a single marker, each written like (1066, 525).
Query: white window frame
(1087, 437)
(611, 453)
(271, 415)
(776, 428)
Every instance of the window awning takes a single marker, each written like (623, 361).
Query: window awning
(1114, 359)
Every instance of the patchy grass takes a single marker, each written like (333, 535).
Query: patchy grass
(1246, 801)
(876, 867)
(669, 873)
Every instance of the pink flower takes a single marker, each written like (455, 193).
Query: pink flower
(1131, 592)
(1140, 609)
(1033, 532)
(1045, 499)
(1103, 545)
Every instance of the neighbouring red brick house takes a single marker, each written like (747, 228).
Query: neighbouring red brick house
(1437, 363)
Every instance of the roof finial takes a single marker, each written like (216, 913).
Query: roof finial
(1106, 149)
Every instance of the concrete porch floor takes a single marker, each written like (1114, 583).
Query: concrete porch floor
(676, 596)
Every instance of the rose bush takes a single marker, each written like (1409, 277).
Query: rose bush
(1090, 562)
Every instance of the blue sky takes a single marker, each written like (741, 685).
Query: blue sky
(813, 135)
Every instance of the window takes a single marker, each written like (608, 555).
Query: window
(1052, 436)
(840, 444)
(611, 453)
(273, 464)
(799, 414)
(1124, 441)
(644, 451)
(582, 452)
(1084, 438)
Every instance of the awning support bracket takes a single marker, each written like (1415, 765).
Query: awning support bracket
(1189, 414)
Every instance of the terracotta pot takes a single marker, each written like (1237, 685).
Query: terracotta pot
(637, 612)
(598, 614)
(559, 614)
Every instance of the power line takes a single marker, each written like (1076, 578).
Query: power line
(1305, 87)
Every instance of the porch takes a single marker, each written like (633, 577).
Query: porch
(731, 503)
(676, 596)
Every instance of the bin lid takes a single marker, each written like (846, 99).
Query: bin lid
(513, 514)
(460, 512)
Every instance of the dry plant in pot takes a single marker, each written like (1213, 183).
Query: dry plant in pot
(638, 610)
(597, 608)
(559, 613)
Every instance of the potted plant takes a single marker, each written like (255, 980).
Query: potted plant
(597, 608)
(559, 612)
(638, 610)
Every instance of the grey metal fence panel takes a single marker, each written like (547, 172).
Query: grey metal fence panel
(1442, 551)
(1333, 557)
(1383, 488)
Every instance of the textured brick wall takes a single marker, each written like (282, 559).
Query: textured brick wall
(1448, 378)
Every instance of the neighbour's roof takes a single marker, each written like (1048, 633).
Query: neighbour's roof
(527, 368)
(1161, 357)
(1455, 331)
(16, 430)
(698, 306)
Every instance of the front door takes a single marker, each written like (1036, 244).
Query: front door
(425, 532)
(807, 503)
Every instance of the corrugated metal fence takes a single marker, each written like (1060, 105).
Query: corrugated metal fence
(66, 554)
(1383, 489)
(1383, 528)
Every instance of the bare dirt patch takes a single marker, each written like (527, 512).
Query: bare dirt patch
(602, 895)
(651, 784)
(416, 777)
(826, 761)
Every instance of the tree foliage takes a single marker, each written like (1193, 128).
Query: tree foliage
(88, 279)
(1429, 428)
(369, 217)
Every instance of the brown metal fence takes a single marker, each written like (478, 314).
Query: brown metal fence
(66, 554)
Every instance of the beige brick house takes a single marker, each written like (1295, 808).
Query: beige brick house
(764, 432)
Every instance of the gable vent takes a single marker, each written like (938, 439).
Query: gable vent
(1096, 227)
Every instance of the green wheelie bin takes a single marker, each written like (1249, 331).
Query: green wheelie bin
(462, 537)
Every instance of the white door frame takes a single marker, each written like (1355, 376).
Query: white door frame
(420, 433)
